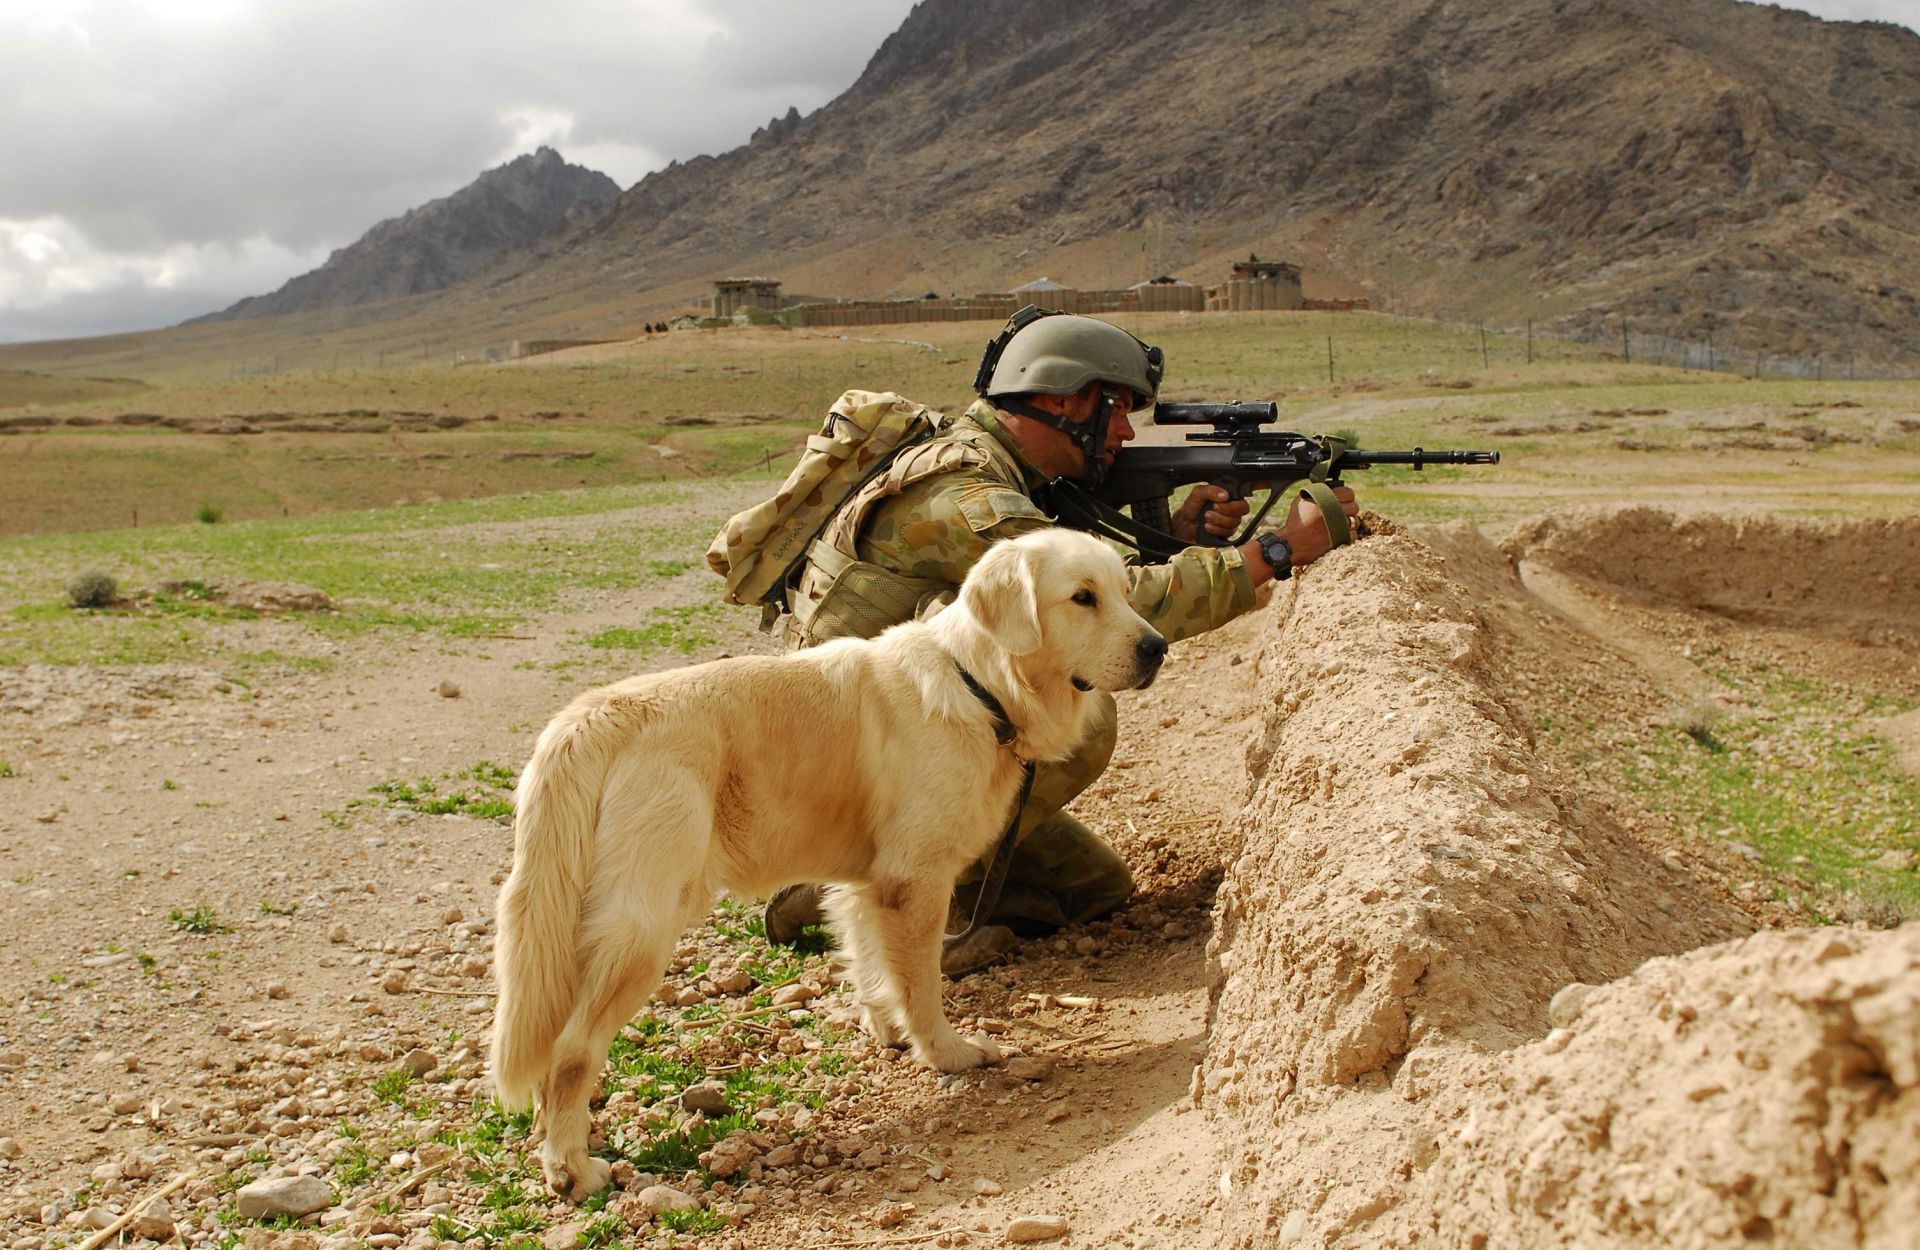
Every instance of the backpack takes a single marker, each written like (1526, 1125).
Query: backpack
(759, 550)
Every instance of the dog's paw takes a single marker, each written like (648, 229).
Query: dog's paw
(579, 1179)
(951, 1052)
(880, 1027)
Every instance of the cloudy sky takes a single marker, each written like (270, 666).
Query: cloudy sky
(160, 159)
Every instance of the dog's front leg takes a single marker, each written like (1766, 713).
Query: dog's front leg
(908, 917)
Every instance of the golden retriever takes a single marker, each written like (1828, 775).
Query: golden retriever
(868, 763)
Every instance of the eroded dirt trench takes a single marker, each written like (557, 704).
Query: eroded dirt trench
(1460, 997)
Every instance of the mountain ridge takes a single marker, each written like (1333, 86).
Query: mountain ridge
(506, 209)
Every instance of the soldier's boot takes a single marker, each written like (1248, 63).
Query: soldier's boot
(1062, 873)
(975, 949)
(790, 912)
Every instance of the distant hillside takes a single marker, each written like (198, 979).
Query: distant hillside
(1699, 166)
(446, 240)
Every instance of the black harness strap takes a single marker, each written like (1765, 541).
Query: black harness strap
(995, 878)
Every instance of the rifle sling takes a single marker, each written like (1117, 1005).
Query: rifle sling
(1339, 532)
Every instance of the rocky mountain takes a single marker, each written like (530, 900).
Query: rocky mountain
(496, 216)
(1700, 167)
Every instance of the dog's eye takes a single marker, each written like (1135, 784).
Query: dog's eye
(1084, 597)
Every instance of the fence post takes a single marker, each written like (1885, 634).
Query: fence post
(1329, 360)
(1626, 349)
(1483, 347)
(1529, 340)
(1710, 360)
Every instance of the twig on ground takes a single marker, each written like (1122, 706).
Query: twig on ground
(215, 1139)
(422, 989)
(880, 1241)
(406, 1187)
(1064, 1000)
(133, 1212)
(1065, 1042)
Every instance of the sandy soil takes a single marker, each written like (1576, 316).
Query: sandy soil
(1347, 1007)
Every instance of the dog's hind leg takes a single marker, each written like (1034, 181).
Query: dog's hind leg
(852, 915)
(624, 968)
(906, 918)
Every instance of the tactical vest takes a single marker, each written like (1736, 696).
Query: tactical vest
(839, 595)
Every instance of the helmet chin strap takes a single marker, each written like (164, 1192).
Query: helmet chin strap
(1090, 435)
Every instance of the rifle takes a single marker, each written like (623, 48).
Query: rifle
(1238, 453)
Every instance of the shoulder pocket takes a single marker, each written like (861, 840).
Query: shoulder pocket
(988, 506)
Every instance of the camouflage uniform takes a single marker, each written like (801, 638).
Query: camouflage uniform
(903, 544)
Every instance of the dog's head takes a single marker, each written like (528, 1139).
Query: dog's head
(1056, 600)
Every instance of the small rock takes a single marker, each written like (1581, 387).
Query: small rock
(1564, 1008)
(277, 989)
(126, 1104)
(1036, 1228)
(891, 1214)
(93, 1217)
(736, 981)
(452, 915)
(337, 932)
(984, 1187)
(284, 1195)
(563, 1237)
(420, 1061)
(798, 994)
(709, 1097)
(658, 1198)
(1030, 1067)
(447, 690)
(394, 982)
(155, 1223)
(688, 996)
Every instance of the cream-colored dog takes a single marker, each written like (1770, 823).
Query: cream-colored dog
(873, 764)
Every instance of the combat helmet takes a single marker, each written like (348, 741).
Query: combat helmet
(1047, 352)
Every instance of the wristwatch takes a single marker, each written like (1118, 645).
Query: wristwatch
(1278, 553)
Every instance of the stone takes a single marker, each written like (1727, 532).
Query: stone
(155, 1222)
(1036, 1228)
(658, 1198)
(1564, 1008)
(128, 1103)
(1030, 1067)
(984, 1187)
(798, 994)
(420, 1061)
(708, 1097)
(447, 689)
(284, 1195)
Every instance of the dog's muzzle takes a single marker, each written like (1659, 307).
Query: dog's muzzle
(1147, 654)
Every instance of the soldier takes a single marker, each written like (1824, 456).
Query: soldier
(1055, 393)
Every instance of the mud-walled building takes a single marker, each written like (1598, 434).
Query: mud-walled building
(730, 295)
(1258, 285)
(1253, 285)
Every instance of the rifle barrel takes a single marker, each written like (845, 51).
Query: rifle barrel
(1419, 457)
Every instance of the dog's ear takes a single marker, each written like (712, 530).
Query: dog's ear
(1000, 594)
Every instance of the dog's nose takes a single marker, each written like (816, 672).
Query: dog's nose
(1151, 650)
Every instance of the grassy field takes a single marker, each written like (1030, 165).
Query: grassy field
(94, 454)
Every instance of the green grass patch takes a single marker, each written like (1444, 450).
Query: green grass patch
(201, 921)
(1803, 779)
(483, 791)
(685, 628)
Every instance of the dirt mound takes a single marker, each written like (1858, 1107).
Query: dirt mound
(1417, 884)
(1852, 578)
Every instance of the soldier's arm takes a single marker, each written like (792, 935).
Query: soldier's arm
(1199, 589)
(940, 528)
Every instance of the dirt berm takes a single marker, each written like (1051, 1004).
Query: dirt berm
(1403, 1047)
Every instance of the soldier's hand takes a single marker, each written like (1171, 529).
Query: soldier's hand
(1306, 532)
(1210, 507)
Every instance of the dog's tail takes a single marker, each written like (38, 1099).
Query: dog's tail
(536, 959)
